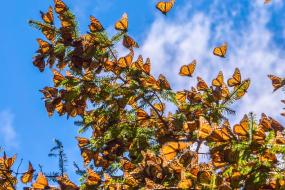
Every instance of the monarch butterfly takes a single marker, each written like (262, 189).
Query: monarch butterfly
(170, 149)
(87, 156)
(159, 107)
(95, 25)
(221, 50)
(236, 79)
(202, 85)
(275, 124)
(130, 180)
(217, 159)
(122, 24)
(188, 70)
(41, 182)
(163, 83)
(264, 122)
(126, 61)
(222, 134)
(65, 183)
(92, 177)
(190, 126)
(38, 61)
(28, 175)
(267, 1)
(181, 96)
(139, 65)
(279, 138)
(267, 156)
(205, 128)
(165, 7)
(218, 82)
(242, 89)
(60, 7)
(48, 17)
(49, 92)
(185, 184)
(277, 82)
(129, 42)
(242, 129)
(45, 47)
(66, 24)
(204, 177)
(57, 78)
(6, 162)
(141, 115)
(194, 95)
(127, 165)
(175, 166)
(259, 135)
(82, 142)
(146, 66)
(150, 82)
(49, 33)
(225, 91)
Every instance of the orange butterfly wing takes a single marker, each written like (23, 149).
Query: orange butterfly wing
(277, 82)
(218, 82)
(60, 7)
(48, 17)
(165, 7)
(41, 182)
(170, 149)
(242, 129)
(236, 79)
(122, 24)
(221, 50)
(205, 128)
(129, 42)
(188, 70)
(28, 175)
(202, 85)
(95, 25)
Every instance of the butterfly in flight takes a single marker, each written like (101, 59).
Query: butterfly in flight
(165, 7)
(221, 51)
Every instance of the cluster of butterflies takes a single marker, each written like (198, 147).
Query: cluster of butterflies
(207, 100)
(176, 157)
(200, 108)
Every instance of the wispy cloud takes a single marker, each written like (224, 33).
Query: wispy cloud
(7, 130)
(172, 43)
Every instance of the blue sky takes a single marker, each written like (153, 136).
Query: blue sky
(255, 34)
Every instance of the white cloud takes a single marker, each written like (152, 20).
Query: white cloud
(172, 43)
(7, 131)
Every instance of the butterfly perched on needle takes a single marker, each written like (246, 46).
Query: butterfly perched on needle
(221, 50)
(165, 6)
(48, 16)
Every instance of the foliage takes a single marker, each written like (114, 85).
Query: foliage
(135, 143)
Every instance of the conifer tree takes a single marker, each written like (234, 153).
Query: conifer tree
(135, 142)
